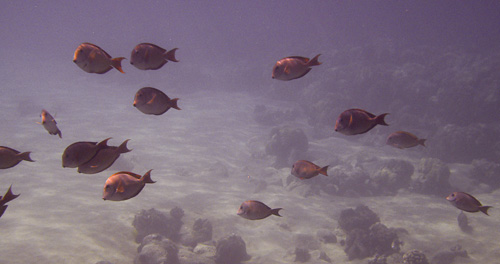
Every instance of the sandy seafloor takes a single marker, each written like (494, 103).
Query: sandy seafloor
(61, 218)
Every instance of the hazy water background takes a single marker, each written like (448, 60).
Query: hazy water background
(226, 52)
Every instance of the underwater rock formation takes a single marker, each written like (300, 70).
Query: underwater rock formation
(287, 145)
(394, 175)
(433, 176)
(152, 221)
(156, 249)
(268, 117)
(302, 255)
(361, 218)
(231, 250)
(415, 257)
(201, 232)
(447, 257)
(486, 172)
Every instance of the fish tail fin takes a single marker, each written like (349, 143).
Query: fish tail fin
(422, 141)
(379, 120)
(9, 196)
(276, 211)
(147, 177)
(26, 156)
(174, 103)
(323, 171)
(117, 63)
(484, 209)
(314, 61)
(103, 143)
(170, 55)
(123, 147)
(2, 209)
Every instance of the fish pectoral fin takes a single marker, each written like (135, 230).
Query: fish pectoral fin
(120, 188)
(350, 121)
(94, 166)
(286, 70)
(152, 99)
(39, 123)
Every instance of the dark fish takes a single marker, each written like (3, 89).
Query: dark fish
(358, 121)
(294, 67)
(304, 169)
(152, 101)
(255, 210)
(11, 157)
(92, 59)
(9, 196)
(49, 123)
(125, 185)
(147, 56)
(103, 159)
(80, 152)
(402, 140)
(467, 202)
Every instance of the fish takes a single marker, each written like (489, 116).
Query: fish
(358, 121)
(103, 159)
(8, 196)
(467, 203)
(304, 169)
(49, 123)
(293, 67)
(10, 157)
(152, 101)
(80, 152)
(147, 56)
(93, 59)
(402, 140)
(124, 185)
(255, 210)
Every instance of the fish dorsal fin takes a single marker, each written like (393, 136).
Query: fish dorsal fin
(99, 48)
(156, 46)
(129, 173)
(302, 59)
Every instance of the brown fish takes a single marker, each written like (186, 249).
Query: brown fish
(402, 140)
(80, 152)
(9, 196)
(124, 185)
(103, 159)
(294, 67)
(147, 56)
(358, 121)
(304, 169)
(467, 202)
(49, 123)
(152, 101)
(11, 157)
(92, 59)
(255, 210)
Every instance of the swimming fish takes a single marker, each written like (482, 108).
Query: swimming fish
(467, 202)
(358, 121)
(152, 101)
(80, 152)
(11, 157)
(49, 123)
(255, 210)
(103, 159)
(9, 196)
(92, 59)
(294, 67)
(147, 56)
(304, 169)
(402, 140)
(125, 185)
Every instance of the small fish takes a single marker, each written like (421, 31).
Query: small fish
(103, 159)
(294, 67)
(147, 56)
(125, 185)
(402, 140)
(11, 157)
(152, 101)
(467, 202)
(9, 196)
(92, 59)
(80, 152)
(358, 121)
(255, 210)
(49, 123)
(304, 169)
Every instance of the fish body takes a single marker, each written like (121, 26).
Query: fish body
(103, 159)
(152, 101)
(304, 169)
(467, 202)
(294, 67)
(80, 152)
(9, 196)
(147, 56)
(402, 140)
(10, 157)
(255, 210)
(358, 121)
(125, 185)
(93, 59)
(49, 123)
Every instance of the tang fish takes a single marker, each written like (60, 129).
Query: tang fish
(402, 140)
(125, 185)
(304, 169)
(358, 121)
(467, 202)
(93, 59)
(103, 159)
(152, 101)
(294, 67)
(49, 123)
(255, 210)
(9, 196)
(80, 152)
(11, 157)
(147, 56)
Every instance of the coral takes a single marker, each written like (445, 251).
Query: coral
(152, 221)
(433, 177)
(202, 230)
(287, 145)
(394, 175)
(231, 250)
(361, 217)
(156, 249)
(415, 257)
(382, 238)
